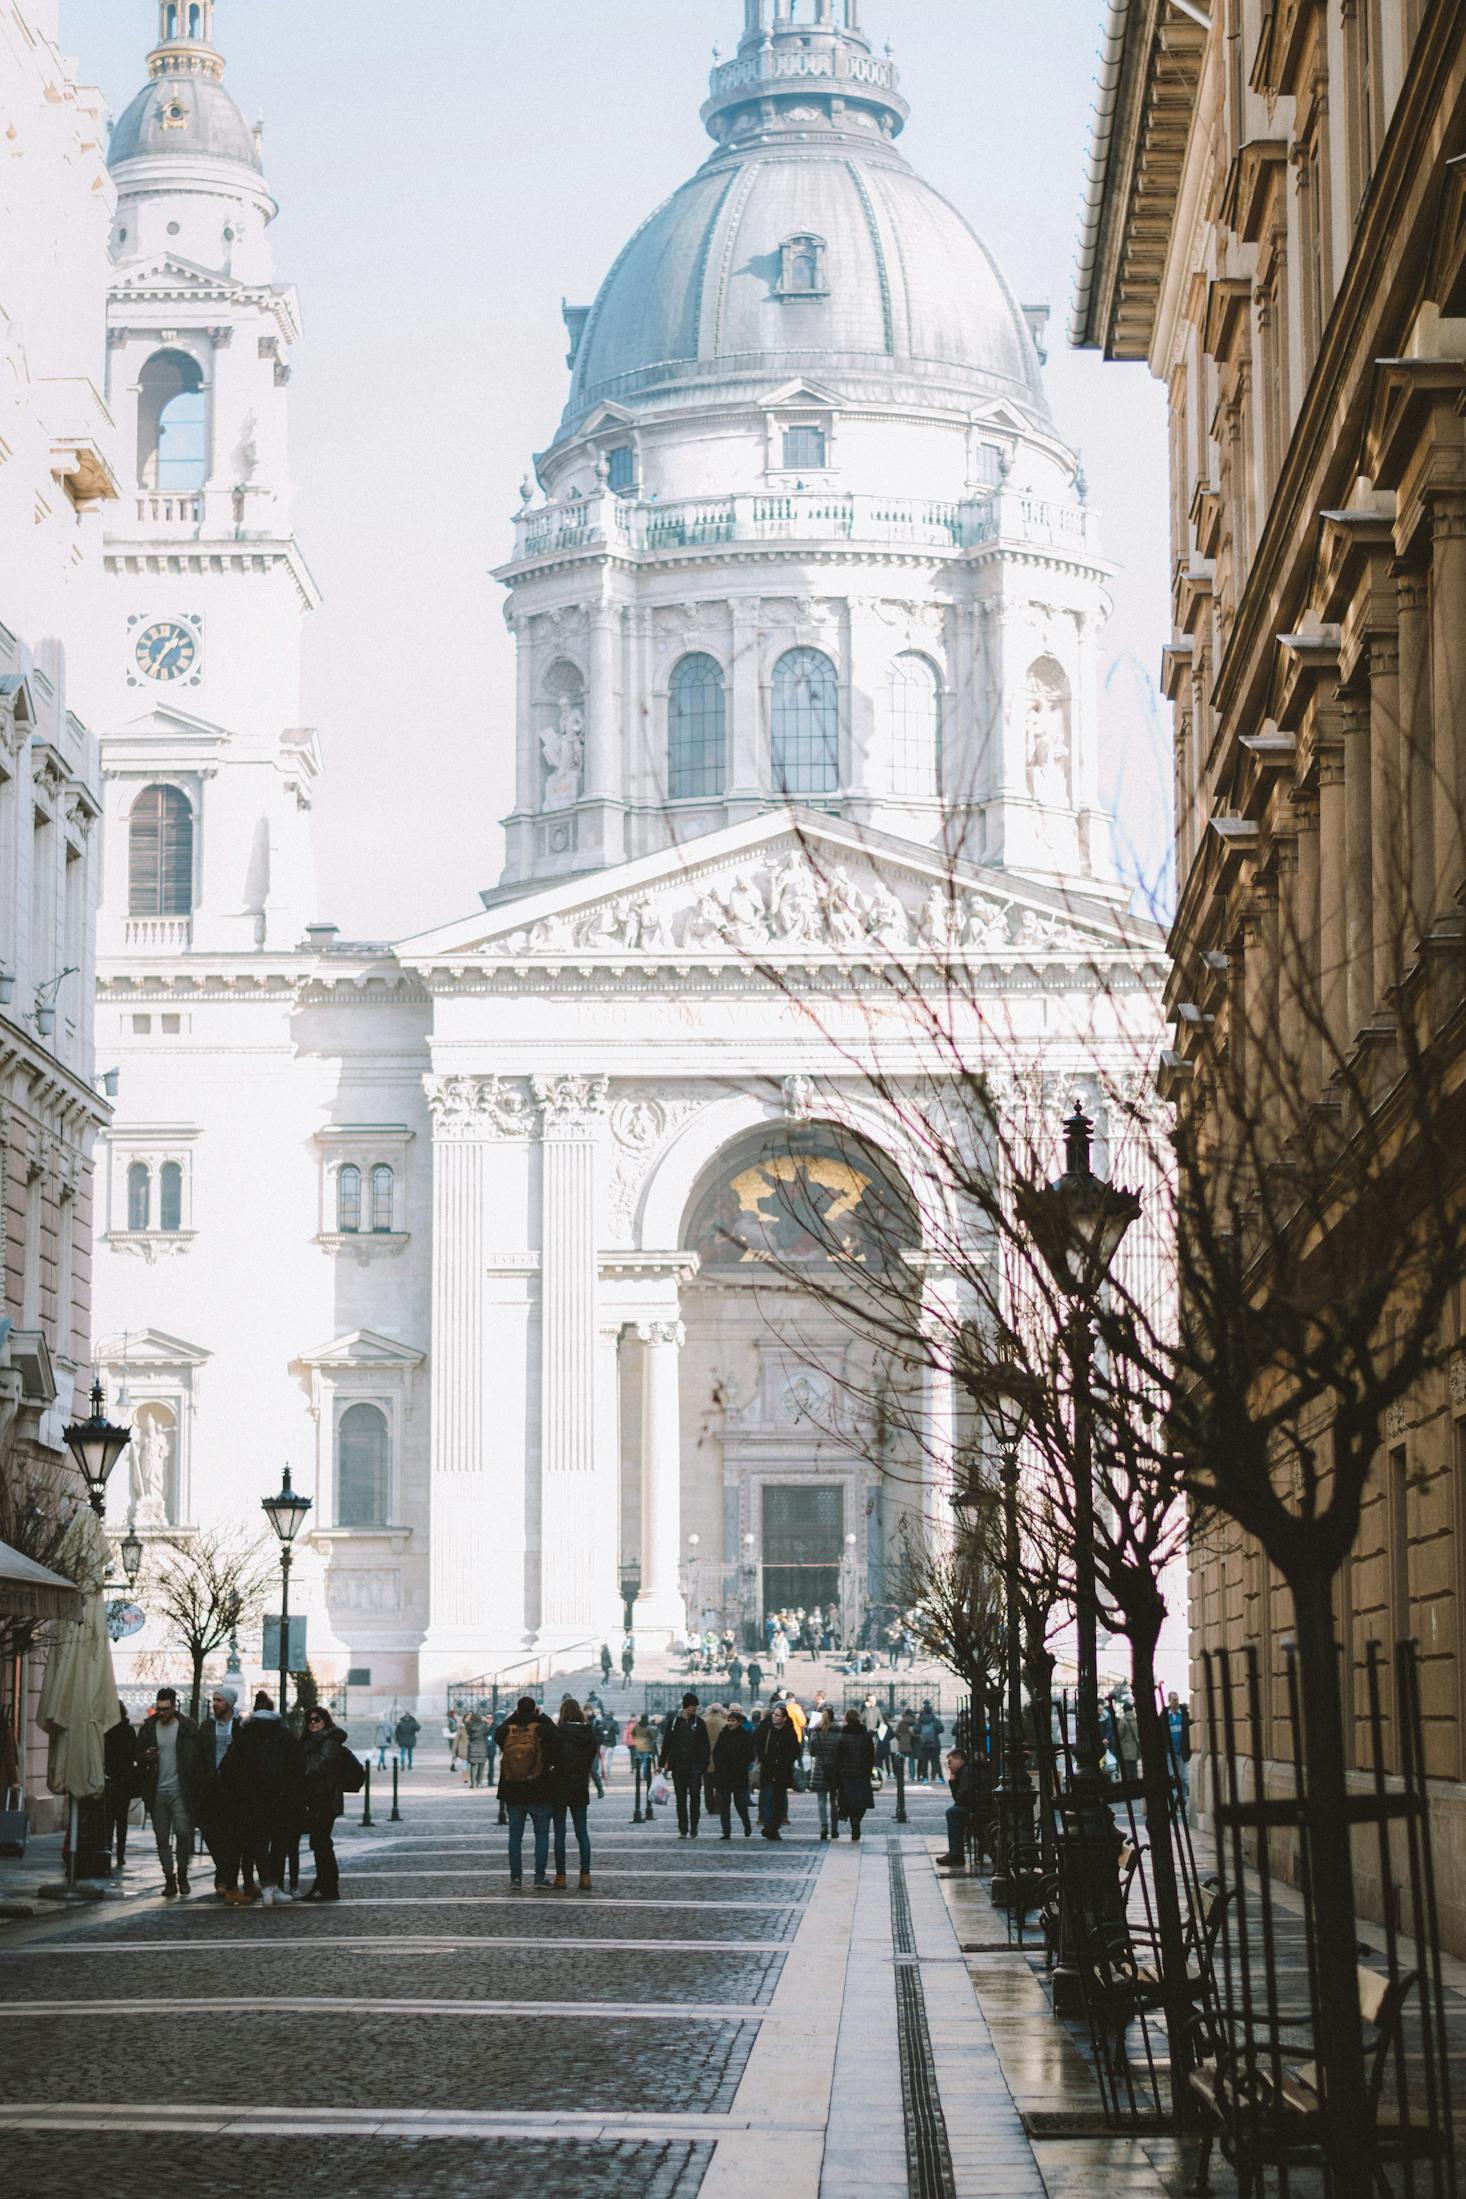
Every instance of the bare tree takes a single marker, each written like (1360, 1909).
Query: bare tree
(206, 1588)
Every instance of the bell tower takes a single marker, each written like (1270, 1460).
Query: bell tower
(208, 769)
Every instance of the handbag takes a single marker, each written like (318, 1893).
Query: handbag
(14, 1830)
(353, 1773)
(661, 1789)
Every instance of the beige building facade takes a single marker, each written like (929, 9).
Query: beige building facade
(1276, 224)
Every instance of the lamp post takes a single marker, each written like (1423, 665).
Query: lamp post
(750, 1591)
(691, 1585)
(96, 1444)
(130, 1550)
(847, 1592)
(1078, 1225)
(286, 1514)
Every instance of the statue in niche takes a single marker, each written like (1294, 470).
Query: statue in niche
(564, 747)
(152, 1451)
(1046, 735)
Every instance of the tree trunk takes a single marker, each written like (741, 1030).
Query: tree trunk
(1156, 1769)
(1348, 2136)
(198, 1684)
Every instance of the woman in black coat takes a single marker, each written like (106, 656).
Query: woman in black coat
(855, 1761)
(776, 1744)
(324, 1799)
(570, 1778)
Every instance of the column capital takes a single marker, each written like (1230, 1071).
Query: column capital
(662, 1332)
(570, 1106)
(478, 1107)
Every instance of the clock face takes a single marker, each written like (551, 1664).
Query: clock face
(166, 651)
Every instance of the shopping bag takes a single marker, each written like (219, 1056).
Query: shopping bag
(661, 1789)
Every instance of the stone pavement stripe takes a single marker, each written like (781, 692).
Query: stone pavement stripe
(865, 2142)
(801, 1878)
(267, 2004)
(504, 1901)
(416, 1940)
(307, 2122)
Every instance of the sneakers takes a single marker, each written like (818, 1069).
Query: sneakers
(585, 1882)
(543, 1886)
(516, 1885)
(267, 1896)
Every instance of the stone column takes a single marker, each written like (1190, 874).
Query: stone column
(577, 1559)
(602, 764)
(939, 1320)
(1417, 901)
(1385, 820)
(746, 713)
(1328, 964)
(660, 1610)
(1448, 713)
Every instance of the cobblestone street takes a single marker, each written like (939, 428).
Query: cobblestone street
(713, 2020)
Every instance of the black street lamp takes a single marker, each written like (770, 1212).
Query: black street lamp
(286, 1514)
(130, 1550)
(96, 1445)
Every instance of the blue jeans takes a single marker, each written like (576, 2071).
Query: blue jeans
(576, 1813)
(404, 1757)
(539, 1813)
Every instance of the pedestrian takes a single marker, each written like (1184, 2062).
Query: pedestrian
(528, 1752)
(820, 1743)
(450, 1735)
(605, 1664)
(628, 1660)
(735, 1677)
(323, 1748)
(929, 1731)
(855, 1762)
(262, 1780)
(120, 1783)
(215, 1820)
(579, 1746)
(966, 1797)
(779, 1650)
(755, 1679)
(714, 1719)
(405, 1734)
(1127, 1740)
(902, 1751)
(777, 1746)
(733, 1757)
(686, 1752)
(167, 1760)
(384, 1738)
(476, 1747)
(1178, 1741)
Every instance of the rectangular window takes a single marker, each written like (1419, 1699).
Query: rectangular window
(804, 449)
(142, 1026)
(44, 964)
(65, 1275)
(171, 1026)
(803, 1542)
(623, 469)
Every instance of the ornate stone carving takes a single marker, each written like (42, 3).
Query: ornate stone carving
(363, 1589)
(799, 1099)
(1456, 1379)
(569, 1106)
(478, 1107)
(662, 1332)
(1396, 1418)
(564, 747)
(638, 1123)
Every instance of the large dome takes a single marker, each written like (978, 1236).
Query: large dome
(192, 115)
(905, 303)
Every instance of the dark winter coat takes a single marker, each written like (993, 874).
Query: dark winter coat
(855, 1760)
(579, 1744)
(777, 1749)
(686, 1747)
(262, 1779)
(732, 1756)
(324, 1796)
(408, 1730)
(820, 1744)
(190, 1768)
(530, 1793)
(119, 1759)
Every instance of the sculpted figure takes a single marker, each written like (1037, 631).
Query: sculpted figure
(886, 921)
(748, 919)
(795, 903)
(564, 748)
(843, 909)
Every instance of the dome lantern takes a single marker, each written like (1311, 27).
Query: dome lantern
(184, 111)
(185, 41)
(800, 60)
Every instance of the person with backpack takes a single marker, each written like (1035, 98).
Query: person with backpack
(686, 1754)
(579, 1746)
(529, 1750)
(820, 1742)
(733, 1755)
(929, 1731)
(405, 1734)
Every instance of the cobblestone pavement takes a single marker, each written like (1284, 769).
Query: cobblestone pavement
(711, 2022)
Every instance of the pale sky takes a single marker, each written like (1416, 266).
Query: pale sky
(446, 175)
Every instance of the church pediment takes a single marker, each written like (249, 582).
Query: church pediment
(789, 887)
(800, 392)
(149, 1348)
(167, 273)
(362, 1348)
(164, 738)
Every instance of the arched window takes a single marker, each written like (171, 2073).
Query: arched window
(170, 20)
(802, 268)
(170, 1196)
(381, 1201)
(348, 1200)
(363, 1467)
(171, 426)
(195, 20)
(696, 729)
(805, 742)
(914, 726)
(139, 1196)
(160, 854)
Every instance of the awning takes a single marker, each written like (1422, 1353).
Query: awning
(31, 1591)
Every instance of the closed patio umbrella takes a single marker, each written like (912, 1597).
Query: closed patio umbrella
(79, 1700)
(32, 1591)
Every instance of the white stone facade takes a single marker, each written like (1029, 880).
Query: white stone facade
(429, 1221)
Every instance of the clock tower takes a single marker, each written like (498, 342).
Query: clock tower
(208, 770)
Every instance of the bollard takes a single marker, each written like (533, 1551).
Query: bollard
(396, 1816)
(366, 1796)
(636, 1772)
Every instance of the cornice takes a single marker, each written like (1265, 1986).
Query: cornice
(123, 552)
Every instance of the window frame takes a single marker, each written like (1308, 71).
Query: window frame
(782, 739)
(346, 1407)
(348, 1199)
(697, 740)
(379, 1170)
(902, 736)
(173, 857)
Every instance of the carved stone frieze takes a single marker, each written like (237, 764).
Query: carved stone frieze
(570, 1106)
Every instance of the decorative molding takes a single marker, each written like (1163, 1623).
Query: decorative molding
(364, 1245)
(570, 1106)
(150, 1244)
(478, 1107)
(662, 1332)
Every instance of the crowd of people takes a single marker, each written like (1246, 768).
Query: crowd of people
(252, 1787)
